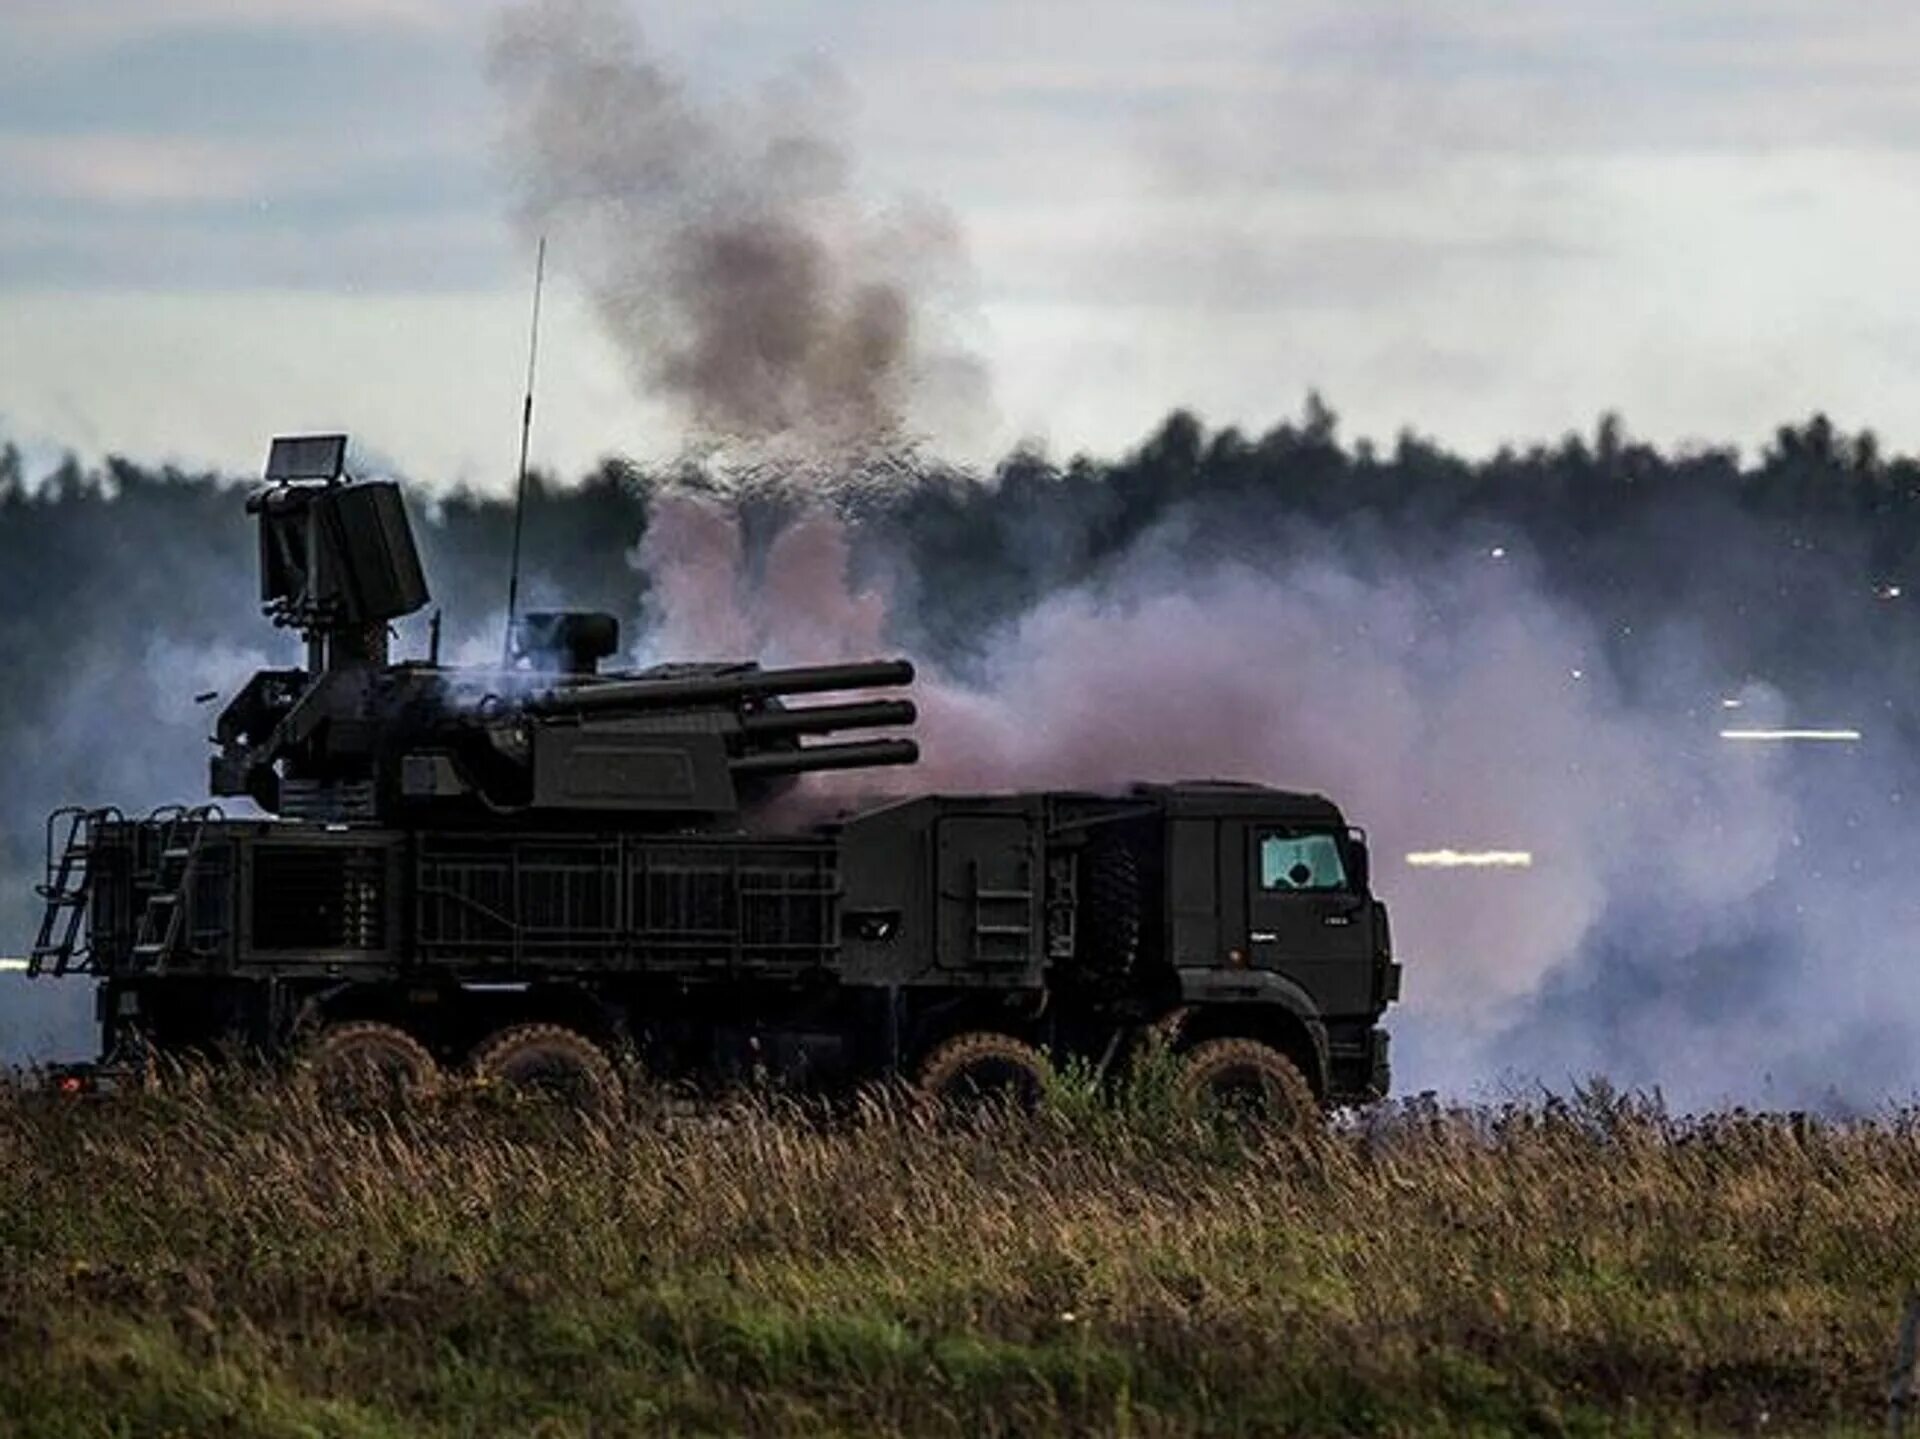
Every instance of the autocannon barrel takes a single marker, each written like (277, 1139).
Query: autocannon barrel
(825, 719)
(860, 754)
(722, 689)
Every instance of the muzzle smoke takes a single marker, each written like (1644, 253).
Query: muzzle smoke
(1455, 701)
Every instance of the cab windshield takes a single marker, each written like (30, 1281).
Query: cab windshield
(1301, 860)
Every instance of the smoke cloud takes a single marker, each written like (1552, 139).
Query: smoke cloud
(1675, 927)
(1725, 920)
(724, 245)
(798, 607)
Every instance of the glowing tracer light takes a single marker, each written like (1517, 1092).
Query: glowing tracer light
(12, 965)
(1471, 859)
(1829, 736)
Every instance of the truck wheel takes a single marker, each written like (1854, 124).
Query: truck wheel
(364, 1064)
(550, 1061)
(981, 1065)
(1249, 1081)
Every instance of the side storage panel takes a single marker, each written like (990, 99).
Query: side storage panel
(322, 898)
(114, 899)
(1193, 893)
(732, 908)
(506, 901)
(514, 903)
(128, 868)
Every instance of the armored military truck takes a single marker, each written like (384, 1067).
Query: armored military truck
(538, 872)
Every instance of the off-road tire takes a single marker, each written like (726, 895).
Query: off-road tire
(1250, 1081)
(549, 1060)
(364, 1064)
(1110, 906)
(981, 1066)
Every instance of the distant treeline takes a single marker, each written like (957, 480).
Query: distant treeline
(1759, 551)
(1621, 529)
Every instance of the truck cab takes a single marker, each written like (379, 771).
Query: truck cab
(1271, 919)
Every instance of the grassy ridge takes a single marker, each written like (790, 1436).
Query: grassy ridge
(230, 1261)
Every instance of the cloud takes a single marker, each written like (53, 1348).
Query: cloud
(55, 22)
(1490, 221)
(132, 169)
(179, 160)
(432, 379)
(261, 250)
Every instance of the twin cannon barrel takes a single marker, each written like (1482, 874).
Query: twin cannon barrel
(769, 732)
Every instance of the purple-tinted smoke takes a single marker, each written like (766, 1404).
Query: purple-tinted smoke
(1454, 704)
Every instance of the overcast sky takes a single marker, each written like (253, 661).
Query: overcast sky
(224, 218)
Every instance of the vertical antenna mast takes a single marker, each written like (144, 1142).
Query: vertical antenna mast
(526, 433)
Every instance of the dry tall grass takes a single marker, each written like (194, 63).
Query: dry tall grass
(224, 1259)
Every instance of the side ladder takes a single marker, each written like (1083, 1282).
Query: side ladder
(1003, 916)
(63, 946)
(163, 918)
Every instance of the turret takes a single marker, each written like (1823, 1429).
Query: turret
(548, 739)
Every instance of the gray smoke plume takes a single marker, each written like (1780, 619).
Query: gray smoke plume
(724, 246)
(796, 608)
(1721, 922)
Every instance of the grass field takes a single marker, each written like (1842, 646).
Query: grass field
(225, 1260)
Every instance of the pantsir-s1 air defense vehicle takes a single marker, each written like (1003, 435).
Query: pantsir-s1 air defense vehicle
(533, 872)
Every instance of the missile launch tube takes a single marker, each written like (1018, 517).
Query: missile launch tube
(750, 684)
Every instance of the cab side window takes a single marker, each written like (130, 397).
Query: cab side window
(1300, 860)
